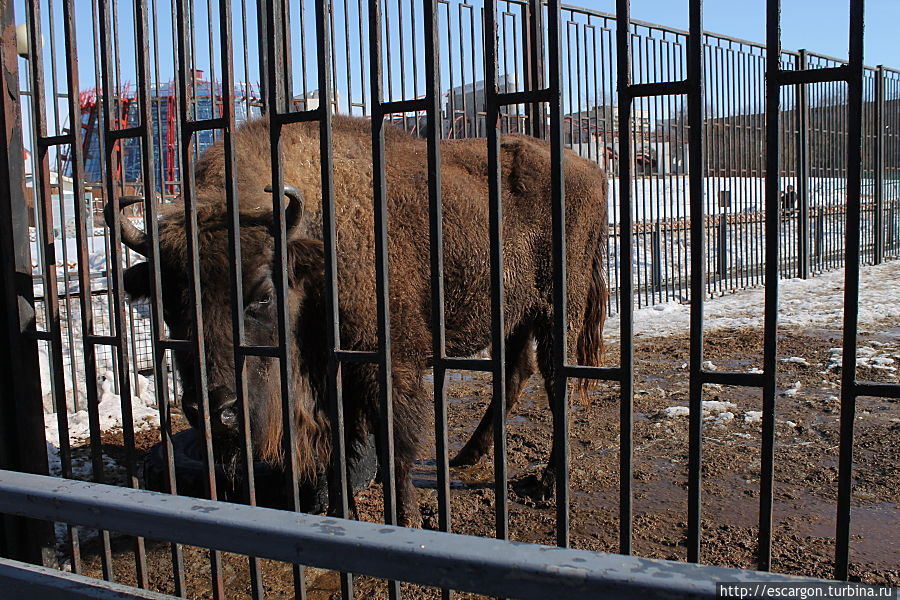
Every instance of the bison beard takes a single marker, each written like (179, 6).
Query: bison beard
(528, 277)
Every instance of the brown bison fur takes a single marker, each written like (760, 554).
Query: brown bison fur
(527, 277)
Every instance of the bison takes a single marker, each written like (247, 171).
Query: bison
(527, 276)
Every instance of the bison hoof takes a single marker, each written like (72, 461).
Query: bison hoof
(537, 489)
(467, 457)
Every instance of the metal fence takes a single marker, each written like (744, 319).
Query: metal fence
(646, 101)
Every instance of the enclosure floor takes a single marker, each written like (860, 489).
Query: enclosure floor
(806, 469)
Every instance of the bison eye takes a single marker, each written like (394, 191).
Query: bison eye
(259, 306)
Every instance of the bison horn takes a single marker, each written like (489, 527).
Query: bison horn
(132, 237)
(294, 209)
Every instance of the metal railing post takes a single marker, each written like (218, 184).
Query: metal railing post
(802, 173)
(656, 249)
(878, 250)
(22, 446)
(534, 72)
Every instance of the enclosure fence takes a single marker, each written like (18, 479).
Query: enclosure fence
(707, 131)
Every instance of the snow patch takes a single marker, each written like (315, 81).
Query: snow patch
(810, 302)
(797, 360)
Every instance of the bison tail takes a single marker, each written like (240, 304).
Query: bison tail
(590, 338)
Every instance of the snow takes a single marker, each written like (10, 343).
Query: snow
(813, 302)
(797, 360)
(145, 415)
(793, 390)
(881, 356)
(753, 416)
(710, 408)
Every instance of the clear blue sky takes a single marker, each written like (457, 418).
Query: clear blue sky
(817, 25)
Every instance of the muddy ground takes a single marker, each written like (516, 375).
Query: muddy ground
(806, 469)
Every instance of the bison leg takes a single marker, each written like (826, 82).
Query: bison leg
(543, 488)
(409, 402)
(519, 367)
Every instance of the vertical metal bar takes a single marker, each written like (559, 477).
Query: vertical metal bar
(696, 93)
(802, 108)
(773, 247)
(22, 445)
(185, 77)
(236, 280)
(45, 236)
(379, 200)
(151, 227)
(534, 53)
(109, 70)
(626, 277)
(436, 252)
(560, 401)
(851, 288)
(278, 103)
(495, 221)
(878, 167)
(338, 493)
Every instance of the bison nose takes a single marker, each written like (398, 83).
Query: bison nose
(223, 409)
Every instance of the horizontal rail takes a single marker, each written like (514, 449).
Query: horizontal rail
(733, 378)
(126, 133)
(101, 340)
(356, 356)
(525, 97)
(468, 364)
(663, 88)
(461, 562)
(882, 390)
(402, 106)
(176, 345)
(585, 372)
(204, 124)
(55, 140)
(23, 581)
(824, 75)
(261, 351)
(297, 116)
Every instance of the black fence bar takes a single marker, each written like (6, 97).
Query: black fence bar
(21, 414)
(802, 143)
(151, 226)
(773, 248)
(696, 99)
(109, 72)
(185, 114)
(625, 275)
(878, 166)
(495, 233)
(852, 257)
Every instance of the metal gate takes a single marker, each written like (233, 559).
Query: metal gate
(31, 501)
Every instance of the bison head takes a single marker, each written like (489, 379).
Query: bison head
(261, 375)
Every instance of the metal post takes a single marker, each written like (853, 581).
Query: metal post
(878, 251)
(697, 160)
(773, 240)
(22, 446)
(534, 72)
(849, 391)
(802, 172)
(656, 250)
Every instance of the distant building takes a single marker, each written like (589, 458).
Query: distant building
(207, 102)
(465, 110)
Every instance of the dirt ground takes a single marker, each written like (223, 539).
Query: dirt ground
(807, 430)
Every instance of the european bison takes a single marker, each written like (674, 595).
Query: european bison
(527, 276)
